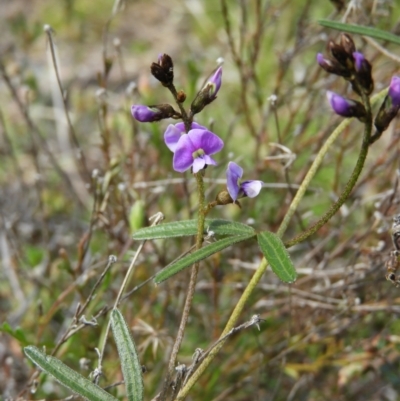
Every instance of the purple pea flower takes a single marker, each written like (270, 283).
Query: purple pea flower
(249, 188)
(194, 149)
(174, 132)
(345, 107)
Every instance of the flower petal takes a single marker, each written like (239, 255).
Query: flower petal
(233, 173)
(251, 188)
(206, 140)
(198, 164)
(174, 132)
(172, 135)
(183, 156)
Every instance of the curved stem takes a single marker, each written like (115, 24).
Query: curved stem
(191, 288)
(264, 264)
(349, 185)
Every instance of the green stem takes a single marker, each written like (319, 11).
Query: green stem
(264, 264)
(191, 288)
(350, 183)
(186, 118)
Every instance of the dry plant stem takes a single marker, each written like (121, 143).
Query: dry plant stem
(35, 130)
(264, 264)
(73, 137)
(117, 300)
(191, 288)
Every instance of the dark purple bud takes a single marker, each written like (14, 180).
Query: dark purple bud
(163, 70)
(389, 107)
(363, 73)
(332, 66)
(147, 114)
(208, 93)
(347, 43)
(340, 54)
(346, 107)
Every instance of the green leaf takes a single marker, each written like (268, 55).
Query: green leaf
(137, 216)
(67, 377)
(361, 30)
(277, 256)
(18, 333)
(189, 227)
(131, 368)
(202, 253)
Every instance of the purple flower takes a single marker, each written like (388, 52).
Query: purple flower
(194, 149)
(345, 107)
(174, 132)
(247, 188)
(394, 90)
(147, 114)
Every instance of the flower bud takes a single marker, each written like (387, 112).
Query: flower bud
(332, 66)
(347, 43)
(208, 93)
(341, 55)
(163, 70)
(389, 107)
(181, 96)
(147, 114)
(346, 107)
(363, 73)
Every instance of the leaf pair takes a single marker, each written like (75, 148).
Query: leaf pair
(233, 233)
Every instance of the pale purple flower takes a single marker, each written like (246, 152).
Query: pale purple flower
(236, 189)
(174, 132)
(194, 149)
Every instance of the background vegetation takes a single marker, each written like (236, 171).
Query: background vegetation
(333, 335)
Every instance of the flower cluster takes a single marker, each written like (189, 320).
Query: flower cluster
(191, 143)
(350, 64)
(355, 68)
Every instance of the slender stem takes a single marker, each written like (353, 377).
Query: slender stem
(350, 183)
(187, 118)
(191, 288)
(264, 264)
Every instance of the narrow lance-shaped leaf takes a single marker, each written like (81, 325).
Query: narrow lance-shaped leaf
(202, 253)
(277, 256)
(361, 30)
(67, 377)
(189, 227)
(131, 368)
